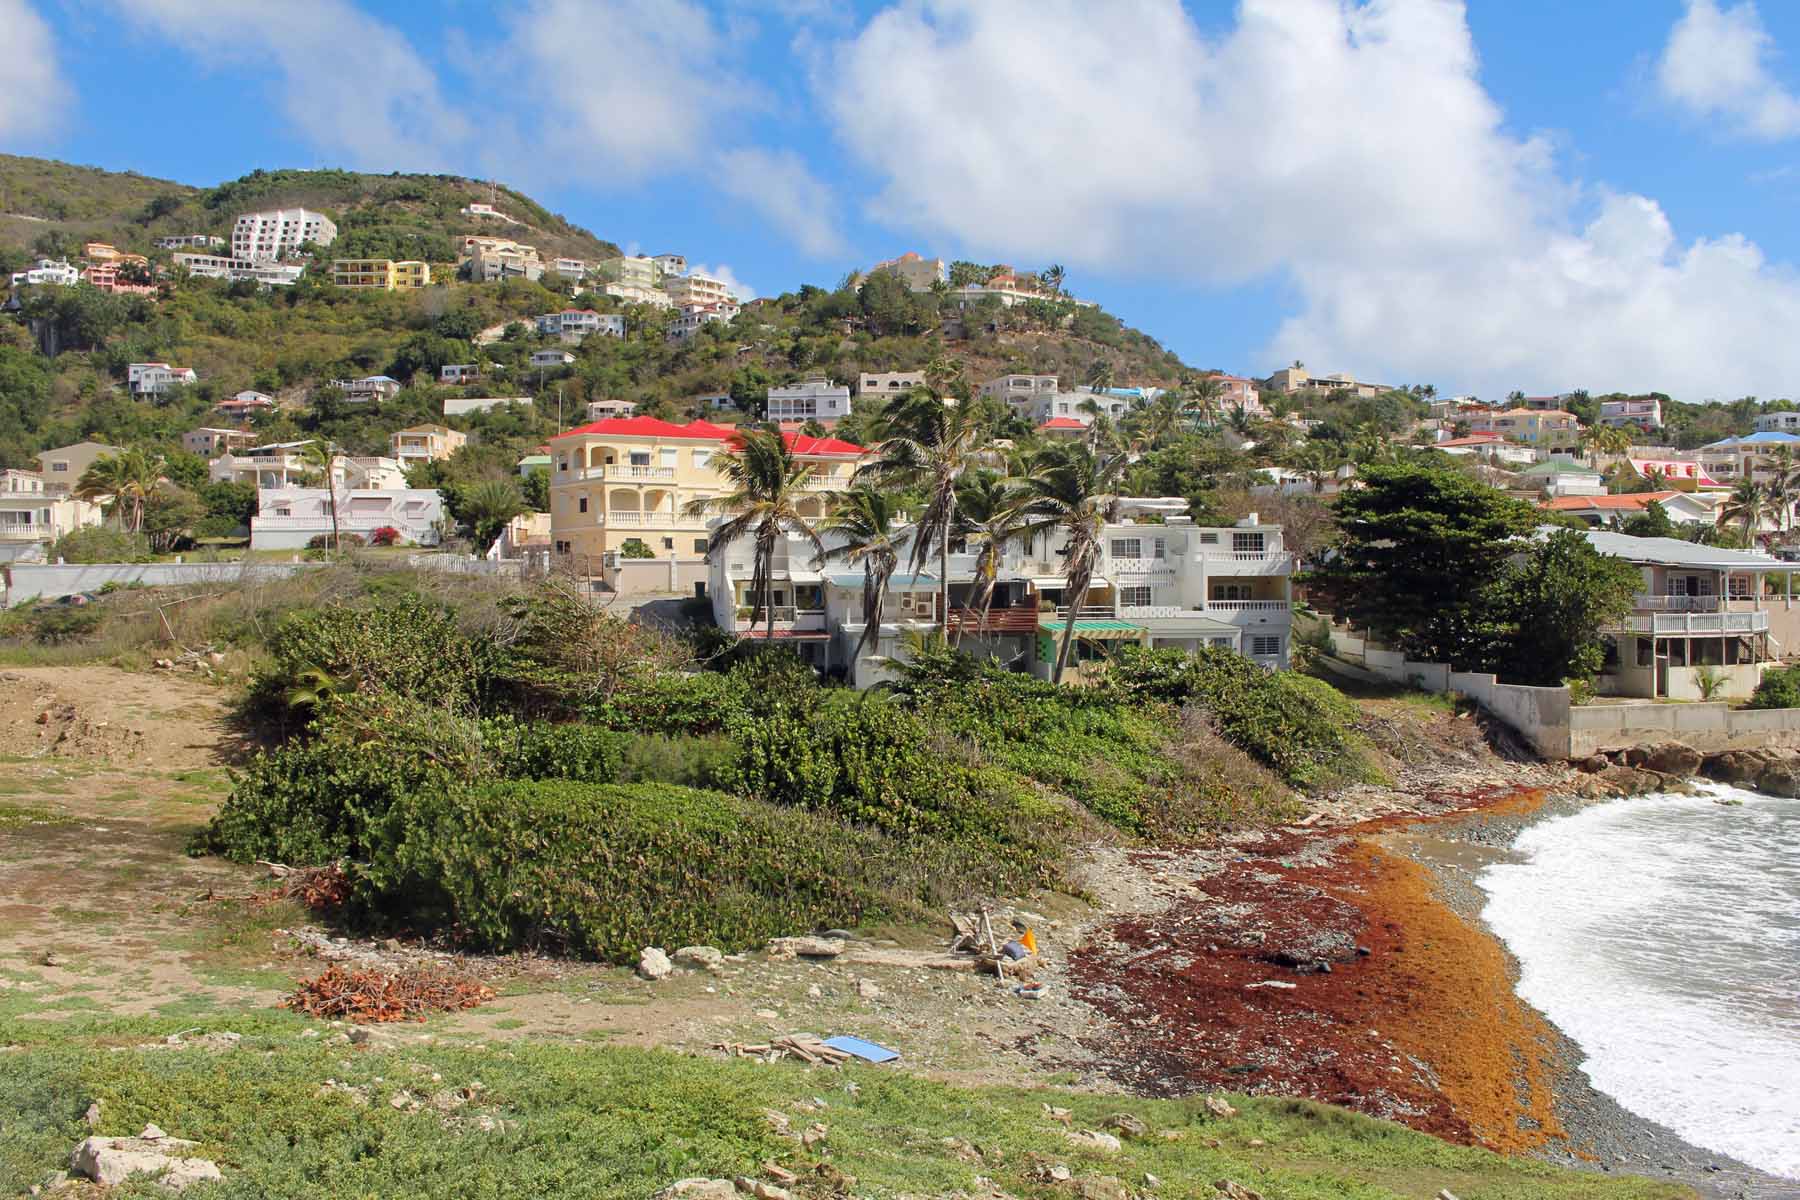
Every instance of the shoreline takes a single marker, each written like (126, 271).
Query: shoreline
(1601, 1133)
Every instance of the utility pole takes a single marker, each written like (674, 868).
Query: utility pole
(559, 420)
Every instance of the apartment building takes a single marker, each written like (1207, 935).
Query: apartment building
(457, 373)
(370, 389)
(210, 266)
(919, 274)
(670, 264)
(209, 442)
(695, 288)
(1297, 379)
(1543, 430)
(814, 398)
(1019, 389)
(48, 272)
(62, 467)
(1644, 412)
(384, 274)
(1778, 422)
(886, 385)
(288, 518)
(106, 277)
(425, 443)
(31, 513)
(1751, 456)
(279, 233)
(631, 271)
(569, 268)
(573, 324)
(189, 241)
(1080, 406)
(285, 465)
(1237, 391)
(156, 378)
(489, 260)
(622, 479)
(632, 294)
(695, 317)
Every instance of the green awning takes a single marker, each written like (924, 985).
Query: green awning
(1093, 629)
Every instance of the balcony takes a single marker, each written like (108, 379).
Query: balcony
(1088, 612)
(1017, 619)
(1678, 624)
(1245, 562)
(650, 520)
(1140, 566)
(616, 471)
(800, 620)
(1690, 604)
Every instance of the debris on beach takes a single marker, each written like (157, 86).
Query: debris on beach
(374, 996)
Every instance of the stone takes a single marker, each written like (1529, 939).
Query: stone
(1666, 758)
(1102, 1187)
(1740, 767)
(704, 958)
(698, 1188)
(1230, 1189)
(762, 1190)
(1593, 764)
(1127, 1125)
(805, 947)
(813, 1135)
(111, 1161)
(92, 1116)
(1780, 779)
(1219, 1107)
(1096, 1141)
(358, 1036)
(1446, 1194)
(1151, 1181)
(653, 964)
(866, 990)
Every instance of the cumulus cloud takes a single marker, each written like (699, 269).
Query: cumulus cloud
(781, 187)
(33, 99)
(1717, 65)
(1349, 148)
(349, 83)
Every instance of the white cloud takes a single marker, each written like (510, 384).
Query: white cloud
(724, 274)
(35, 95)
(349, 83)
(779, 186)
(1717, 64)
(1347, 147)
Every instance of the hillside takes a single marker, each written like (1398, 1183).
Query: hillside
(399, 216)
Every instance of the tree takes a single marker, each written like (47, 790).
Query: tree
(1556, 600)
(1652, 522)
(928, 446)
(1746, 507)
(1783, 485)
(125, 480)
(1099, 375)
(322, 456)
(991, 512)
(767, 483)
(488, 506)
(1053, 277)
(170, 515)
(1075, 493)
(1608, 439)
(1422, 548)
(867, 521)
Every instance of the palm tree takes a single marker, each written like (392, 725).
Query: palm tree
(767, 484)
(928, 446)
(125, 480)
(1608, 439)
(1784, 483)
(1316, 463)
(1162, 416)
(1747, 505)
(323, 456)
(1099, 375)
(489, 505)
(1203, 394)
(947, 376)
(866, 519)
(1053, 277)
(992, 513)
(1076, 494)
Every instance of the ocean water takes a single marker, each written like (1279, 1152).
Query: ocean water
(1662, 934)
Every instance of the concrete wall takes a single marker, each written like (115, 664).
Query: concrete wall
(27, 582)
(1705, 727)
(653, 576)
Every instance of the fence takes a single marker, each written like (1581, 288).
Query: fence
(26, 582)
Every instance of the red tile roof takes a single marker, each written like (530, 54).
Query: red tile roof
(800, 443)
(1062, 423)
(1634, 502)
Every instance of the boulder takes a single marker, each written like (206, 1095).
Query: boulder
(705, 958)
(762, 1190)
(698, 1188)
(1666, 758)
(1739, 767)
(654, 964)
(1126, 1125)
(867, 990)
(1780, 778)
(1230, 1189)
(1093, 1139)
(1102, 1187)
(111, 1161)
(1631, 781)
(805, 947)
(1219, 1107)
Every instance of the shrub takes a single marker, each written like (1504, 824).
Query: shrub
(386, 535)
(322, 541)
(1780, 688)
(59, 624)
(635, 548)
(99, 544)
(602, 871)
(701, 703)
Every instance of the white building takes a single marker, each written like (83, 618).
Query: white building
(457, 406)
(670, 264)
(1083, 406)
(370, 389)
(1019, 389)
(210, 266)
(600, 410)
(632, 294)
(31, 512)
(278, 233)
(189, 241)
(209, 441)
(916, 272)
(459, 372)
(552, 358)
(48, 272)
(813, 399)
(155, 378)
(1778, 422)
(1645, 412)
(876, 385)
(573, 324)
(569, 268)
(696, 288)
(694, 316)
(487, 212)
(288, 518)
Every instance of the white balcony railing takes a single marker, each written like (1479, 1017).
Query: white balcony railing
(650, 520)
(1243, 556)
(1088, 612)
(616, 471)
(1698, 623)
(1152, 612)
(1141, 566)
(1248, 606)
(1697, 604)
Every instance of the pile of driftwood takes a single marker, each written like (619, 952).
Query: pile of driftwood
(973, 933)
(409, 995)
(802, 1046)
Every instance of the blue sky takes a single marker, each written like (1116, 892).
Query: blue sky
(1521, 194)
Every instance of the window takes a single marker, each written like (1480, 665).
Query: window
(639, 458)
(1159, 549)
(1209, 539)
(284, 512)
(562, 464)
(1136, 596)
(581, 504)
(1247, 543)
(668, 543)
(699, 545)
(1127, 548)
(669, 457)
(1230, 591)
(59, 466)
(702, 457)
(1223, 643)
(1265, 647)
(1738, 586)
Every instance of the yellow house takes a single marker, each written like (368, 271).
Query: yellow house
(382, 273)
(632, 478)
(425, 443)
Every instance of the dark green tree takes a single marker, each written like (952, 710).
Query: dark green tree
(1556, 599)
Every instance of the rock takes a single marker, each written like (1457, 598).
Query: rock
(1096, 1141)
(698, 1188)
(1446, 1194)
(1780, 779)
(51, 958)
(1630, 781)
(1593, 764)
(1102, 1187)
(1127, 1125)
(111, 1161)
(1665, 758)
(358, 1036)
(1740, 767)
(866, 990)
(1219, 1107)
(1151, 1181)
(653, 964)
(964, 1150)
(1233, 1190)
(215, 658)
(92, 1116)
(761, 1190)
(804, 947)
(813, 1135)
(704, 958)
(779, 1173)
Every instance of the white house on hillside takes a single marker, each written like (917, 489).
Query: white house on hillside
(289, 518)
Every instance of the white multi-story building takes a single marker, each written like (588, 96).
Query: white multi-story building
(573, 324)
(189, 241)
(288, 518)
(630, 270)
(695, 288)
(873, 385)
(1018, 389)
(370, 389)
(916, 272)
(812, 399)
(670, 264)
(694, 316)
(425, 443)
(32, 512)
(48, 272)
(211, 266)
(1645, 412)
(552, 358)
(569, 268)
(155, 378)
(278, 233)
(632, 294)
(1082, 406)
(1778, 422)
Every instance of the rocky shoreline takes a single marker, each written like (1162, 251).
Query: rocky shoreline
(1600, 1133)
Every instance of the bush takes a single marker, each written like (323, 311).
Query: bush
(602, 871)
(1780, 688)
(386, 535)
(322, 541)
(59, 624)
(635, 548)
(99, 544)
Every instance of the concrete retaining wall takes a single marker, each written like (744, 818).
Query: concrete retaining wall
(26, 582)
(655, 576)
(1708, 728)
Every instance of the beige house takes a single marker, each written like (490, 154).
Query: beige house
(1550, 429)
(1296, 379)
(631, 271)
(62, 467)
(425, 443)
(631, 479)
(695, 288)
(210, 442)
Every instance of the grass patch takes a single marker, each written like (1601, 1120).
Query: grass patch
(19, 816)
(608, 1123)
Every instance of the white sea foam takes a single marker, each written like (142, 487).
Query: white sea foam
(1662, 934)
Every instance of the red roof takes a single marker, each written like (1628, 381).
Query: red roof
(799, 443)
(1473, 439)
(1637, 500)
(1062, 423)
